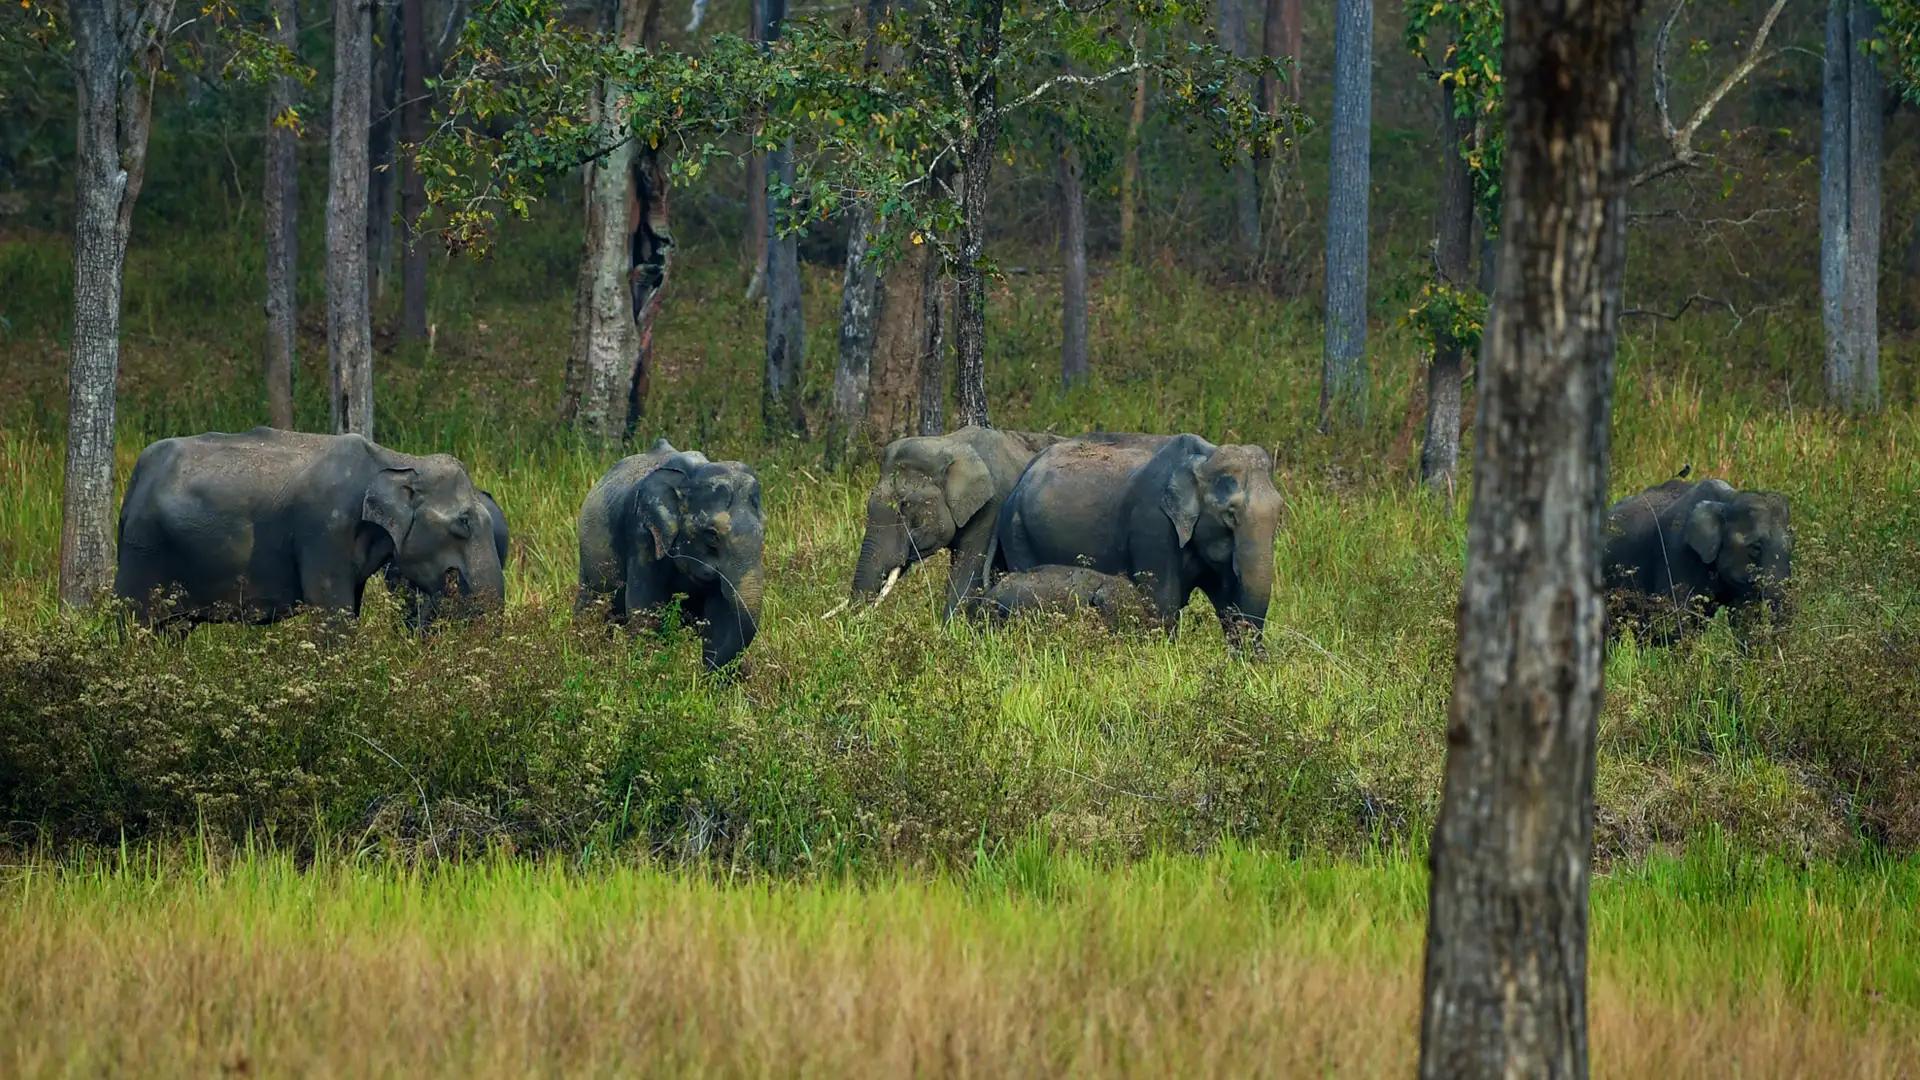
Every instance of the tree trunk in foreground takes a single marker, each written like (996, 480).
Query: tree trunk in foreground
(1850, 157)
(282, 212)
(1452, 258)
(413, 189)
(1343, 386)
(1073, 277)
(1506, 958)
(114, 109)
(349, 317)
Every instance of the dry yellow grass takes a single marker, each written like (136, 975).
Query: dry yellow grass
(1229, 966)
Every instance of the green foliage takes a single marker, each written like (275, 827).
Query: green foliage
(1899, 42)
(1450, 316)
(1473, 31)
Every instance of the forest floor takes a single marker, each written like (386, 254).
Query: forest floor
(894, 844)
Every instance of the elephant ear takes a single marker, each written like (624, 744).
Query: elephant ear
(967, 486)
(1703, 529)
(661, 502)
(1180, 499)
(389, 503)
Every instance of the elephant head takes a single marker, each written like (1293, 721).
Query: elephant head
(1744, 539)
(441, 527)
(930, 488)
(419, 608)
(703, 519)
(1224, 507)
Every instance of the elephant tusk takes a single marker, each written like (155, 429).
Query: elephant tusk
(837, 609)
(887, 585)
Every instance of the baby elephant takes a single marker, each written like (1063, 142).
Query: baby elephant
(1116, 601)
(1694, 548)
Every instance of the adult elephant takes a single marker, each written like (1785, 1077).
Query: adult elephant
(249, 527)
(1172, 513)
(667, 523)
(940, 493)
(1696, 546)
(419, 607)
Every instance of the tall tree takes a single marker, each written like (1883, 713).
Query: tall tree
(859, 297)
(118, 45)
(938, 294)
(282, 212)
(780, 407)
(349, 315)
(982, 38)
(413, 190)
(1343, 386)
(1230, 24)
(1452, 267)
(1850, 156)
(1073, 258)
(1506, 958)
(756, 180)
(383, 140)
(1281, 36)
(1130, 165)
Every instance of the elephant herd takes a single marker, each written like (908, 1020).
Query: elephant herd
(251, 527)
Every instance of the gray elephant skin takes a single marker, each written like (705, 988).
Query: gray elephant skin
(419, 607)
(1114, 600)
(940, 493)
(1171, 513)
(249, 527)
(1696, 547)
(667, 523)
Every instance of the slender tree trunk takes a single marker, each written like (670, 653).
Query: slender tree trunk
(1343, 388)
(1506, 958)
(756, 180)
(413, 190)
(1452, 257)
(1073, 257)
(1850, 159)
(1230, 21)
(349, 319)
(933, 366)
(859, 306)
(383, 182)
(653, 245)
(111, 40)
(282, 203)
(1130, 167)
(780, 405)
(976, 167)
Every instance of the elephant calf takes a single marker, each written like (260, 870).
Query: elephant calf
(666, 523)
(1693, 548)
(1172, 513)
(1116, 601)
(940, 493)
(250, 527)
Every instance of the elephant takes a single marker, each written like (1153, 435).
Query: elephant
(1696, 547)
(1115, 600)
(1173, 513)
(418, 607)
(667, 523)
(249, 527)
(939, 492)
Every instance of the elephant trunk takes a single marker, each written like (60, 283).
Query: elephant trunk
(485, 581)
(882, 550)
(1253, 569)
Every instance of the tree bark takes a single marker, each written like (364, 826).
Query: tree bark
(652, 247)
(933, 366)
(1452, 258)
(859, 306)
(976, 167)
(1506, 958)
(116, 56)
(1073, 257)
(756, 180)
(1850, 163)
(1130, 167)
(1281, 37)
(282, 212)
(780, 404)
(903, 303)
(349, 317)
(1343, 387)
(383, 180)
(413, 191)
(1230, 21)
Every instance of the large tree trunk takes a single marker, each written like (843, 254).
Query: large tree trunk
(1230, 21)
(413, 190)
(1130, 167)
(1452, 265)
(349, 319)
(859, 306)
(933, 362)
(111, 40)
(282, 211)
(383, 126)
(1073, 277)
(1343, 387)
(780, 405)
(1850, 156)
(901, 340)
(1506, 959)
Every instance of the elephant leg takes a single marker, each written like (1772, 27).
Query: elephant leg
(967, 573)
(727, 631)
(328, 587)
(1163, 586)
(650, 587)
(1240, 629)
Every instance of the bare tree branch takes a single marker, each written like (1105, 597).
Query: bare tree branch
(1680, 139)
(1696, 298)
